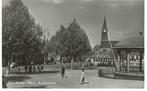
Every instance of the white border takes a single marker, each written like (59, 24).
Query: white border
(75, 89)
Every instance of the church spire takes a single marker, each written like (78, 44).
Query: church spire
(105, 28)
(104, 37)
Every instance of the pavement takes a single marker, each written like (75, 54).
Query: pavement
(54, 80)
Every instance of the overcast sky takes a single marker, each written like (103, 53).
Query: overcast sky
(124, 17)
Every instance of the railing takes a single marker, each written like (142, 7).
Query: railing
(105, 62)
(106, 72)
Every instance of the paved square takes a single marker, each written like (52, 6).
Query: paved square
(54, 80)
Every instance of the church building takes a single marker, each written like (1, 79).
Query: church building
(105, 53)
(105, 41)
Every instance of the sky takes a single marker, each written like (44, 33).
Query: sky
(125, 18)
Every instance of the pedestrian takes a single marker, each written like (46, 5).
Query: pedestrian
(62, 70)
(82, 67)
(34, 68)
(19, 69)
(26, 68)
(4, 82)
(42, 68)
(39, 68)
(64, 73)
(30, 68)
(82, 80)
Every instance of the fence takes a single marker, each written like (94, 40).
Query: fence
(105, 62)
(133, 65)
(106, 72)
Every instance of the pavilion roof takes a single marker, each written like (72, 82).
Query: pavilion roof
(132, 42)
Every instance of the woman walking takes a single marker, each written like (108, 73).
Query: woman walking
(62, 70)
(82, 80)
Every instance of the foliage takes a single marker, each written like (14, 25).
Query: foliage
(70, 42)
(20, 34)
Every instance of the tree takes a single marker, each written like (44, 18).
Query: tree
(71, 42)
(20, 34)
(45, 41)
(78, 44)
(56, 43)
(78, 41)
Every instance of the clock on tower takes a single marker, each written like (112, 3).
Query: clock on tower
(104, 37)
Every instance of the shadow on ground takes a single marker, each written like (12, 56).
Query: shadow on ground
(35, 87)
(43, 72)
(122, 77)
(17, 78)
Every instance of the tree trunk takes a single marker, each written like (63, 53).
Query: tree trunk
(8, 67)
(44, 60)
(71, 64)
(9, 63)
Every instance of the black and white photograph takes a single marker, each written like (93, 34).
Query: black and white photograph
(72, 44)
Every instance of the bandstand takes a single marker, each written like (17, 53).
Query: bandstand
(126, 52)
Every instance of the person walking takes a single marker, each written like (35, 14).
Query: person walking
(62, 70)
(30, 68)
(4, 82)
(26, 68)
(82, 67)
(39, 68)
(82, 80)
(34, 68)
(42, 68)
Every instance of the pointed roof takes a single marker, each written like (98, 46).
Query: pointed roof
(105, 24)
(104, 36)
(131, 42)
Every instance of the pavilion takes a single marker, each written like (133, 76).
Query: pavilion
(128, 46)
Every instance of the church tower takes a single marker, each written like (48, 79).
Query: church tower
(105, 43)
